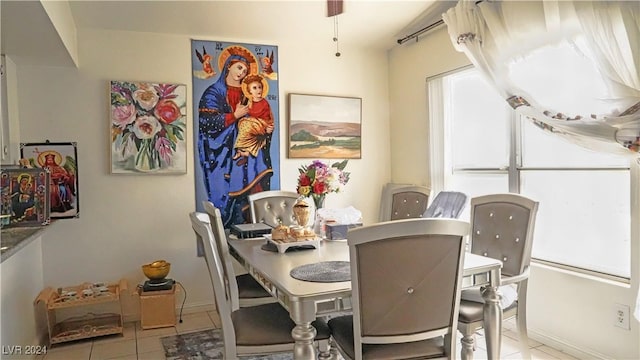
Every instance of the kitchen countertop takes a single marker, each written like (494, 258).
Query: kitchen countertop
(12, 239)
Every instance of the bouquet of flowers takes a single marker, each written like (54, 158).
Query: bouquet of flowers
(147, 123)
(318, 179)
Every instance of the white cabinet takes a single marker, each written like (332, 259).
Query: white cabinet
(21, 280)
(10, 141)
(4, 143)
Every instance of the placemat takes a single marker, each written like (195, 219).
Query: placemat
(326, 271)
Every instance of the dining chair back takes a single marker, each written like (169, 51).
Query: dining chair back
(245, 290)
(406, 279)
(447, 204)
(403, 201)
(502, 228)
(199, 240)
(273, 207)
(257, 330)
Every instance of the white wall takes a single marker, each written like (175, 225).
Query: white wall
(570, 312)
(126, 221)
(409, 66)
(62, 20)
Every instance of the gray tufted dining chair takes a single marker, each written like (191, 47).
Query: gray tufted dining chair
(501, 228)
(403, 201)
(414, 315)
(257, 330)
(246, 290)
(273, 207)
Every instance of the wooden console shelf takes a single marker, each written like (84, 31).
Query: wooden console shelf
(86, 299)
(157, 308)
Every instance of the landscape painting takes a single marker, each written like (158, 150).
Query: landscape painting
(326, 127)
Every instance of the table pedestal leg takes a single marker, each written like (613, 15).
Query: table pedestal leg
(492, 320)
(303, 334)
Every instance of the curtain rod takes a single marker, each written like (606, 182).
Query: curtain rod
(426, 28)
(420, 32)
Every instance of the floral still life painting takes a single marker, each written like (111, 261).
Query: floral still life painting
(318, 179)
(148, 126)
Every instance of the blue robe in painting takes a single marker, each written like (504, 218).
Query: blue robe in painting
(227, 183)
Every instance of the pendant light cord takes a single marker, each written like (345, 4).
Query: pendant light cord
(335, 35)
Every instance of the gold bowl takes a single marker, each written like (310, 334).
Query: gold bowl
(156, 270)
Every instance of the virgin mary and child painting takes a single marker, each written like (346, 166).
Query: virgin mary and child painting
(235, 100)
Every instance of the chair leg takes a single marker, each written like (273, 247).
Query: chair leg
(468, 345)
(521, 320)
(324, 348)
(334, 353)
(450, 346)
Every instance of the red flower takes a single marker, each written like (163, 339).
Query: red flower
(304, 180)
(167, 111)
(318, 188)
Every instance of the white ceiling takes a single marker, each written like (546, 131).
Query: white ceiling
(364, 23)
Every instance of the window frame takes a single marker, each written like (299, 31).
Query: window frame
(438, 160)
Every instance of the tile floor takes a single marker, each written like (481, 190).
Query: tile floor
(145, 344)
(134, 344)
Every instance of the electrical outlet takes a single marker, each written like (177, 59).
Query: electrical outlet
(621, 316)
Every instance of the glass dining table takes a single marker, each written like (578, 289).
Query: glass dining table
(305, 300)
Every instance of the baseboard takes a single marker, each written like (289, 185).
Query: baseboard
(562, 345)
(196, 308)
(188, 309)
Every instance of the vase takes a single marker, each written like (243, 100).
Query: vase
(318, 200)
(318, 225)
(142, 163)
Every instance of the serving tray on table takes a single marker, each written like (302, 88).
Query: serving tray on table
(283, 246)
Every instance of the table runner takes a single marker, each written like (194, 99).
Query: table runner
(326, 271)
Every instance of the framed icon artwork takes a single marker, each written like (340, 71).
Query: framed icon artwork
(25, 196)
(61, 159)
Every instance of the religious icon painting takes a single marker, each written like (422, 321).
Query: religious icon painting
(236, 124)
(25, 196)
(61, 161)
(148, 128)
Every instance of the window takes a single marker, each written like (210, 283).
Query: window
(479, 145)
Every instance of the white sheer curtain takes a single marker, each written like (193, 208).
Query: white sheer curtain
(517, 45)
(570, 66)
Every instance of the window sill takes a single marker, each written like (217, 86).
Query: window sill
(603, 278)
